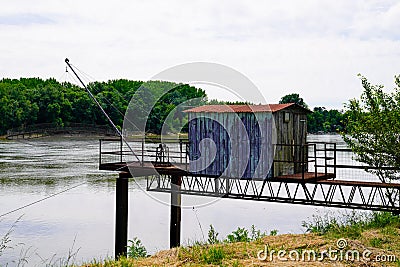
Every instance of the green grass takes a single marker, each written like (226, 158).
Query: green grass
(213, 255)
(378, 231)
(352, 225)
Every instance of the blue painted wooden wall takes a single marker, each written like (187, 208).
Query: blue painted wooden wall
(231, 144)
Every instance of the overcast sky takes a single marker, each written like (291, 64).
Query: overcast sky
(314, 48)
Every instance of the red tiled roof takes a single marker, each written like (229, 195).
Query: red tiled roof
(240, 108)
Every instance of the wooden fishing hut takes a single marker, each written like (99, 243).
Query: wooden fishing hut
(247, 141)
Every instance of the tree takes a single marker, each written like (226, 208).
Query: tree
(293, 98)
(323, 120)
(28, 101)
(373, 129)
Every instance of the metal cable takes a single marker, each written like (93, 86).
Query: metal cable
(97, 91)
(40, 200)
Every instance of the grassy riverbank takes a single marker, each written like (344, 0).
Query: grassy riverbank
(352, 240)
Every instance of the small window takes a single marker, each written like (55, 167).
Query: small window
(287, 116)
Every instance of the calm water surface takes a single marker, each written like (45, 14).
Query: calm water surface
(81, 220)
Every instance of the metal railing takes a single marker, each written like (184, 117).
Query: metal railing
(317, 157)
(148, 149)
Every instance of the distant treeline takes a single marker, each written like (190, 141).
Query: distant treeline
(29, 101)
(326, 121)
(320, 120)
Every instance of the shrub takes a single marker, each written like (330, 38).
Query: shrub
(212, 236)
(256, 234)
(214, 255)
(273, 232)
(136, 249)
(240, 235)
(350, 224)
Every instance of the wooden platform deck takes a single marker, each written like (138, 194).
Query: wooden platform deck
(137, 169)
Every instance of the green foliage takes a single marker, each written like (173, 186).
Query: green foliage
(273, 232)
(351, 224)
(221, 102)
(163, 105)
(240, 235)
(236, 264)
(383, 219)
(136, 249)
(28, 101)
(158, 106)
(323, 120)
(212, 236)
(372, 124)
(109, 262)
(293, 98)
(256, 234)
(214, 255)
(376, 242)
(343, 225)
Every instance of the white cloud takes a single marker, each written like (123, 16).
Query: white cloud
(313, 47)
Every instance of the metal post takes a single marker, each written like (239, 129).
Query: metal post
(143, 139)
(315, 160)
(121, 148)
(326, 159)
(121, 216)
(180, 149)
(100, 153)
(334, 159)
(187, 155)
(302, 161)
(175, 226)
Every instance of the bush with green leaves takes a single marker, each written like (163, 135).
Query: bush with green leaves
(273, 232)
(350, 224)
(212, 236)
(136, 249)
(372, 124)
(256, 234)
(240, 235)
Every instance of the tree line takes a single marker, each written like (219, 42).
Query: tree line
(321, 120)
(29, 101)
(370, 125)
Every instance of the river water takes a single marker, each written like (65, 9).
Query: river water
(80, 221)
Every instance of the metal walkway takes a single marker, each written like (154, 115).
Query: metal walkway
(329, 177)
(327, 193)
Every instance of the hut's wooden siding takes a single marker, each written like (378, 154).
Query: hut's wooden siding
(293, 134)
(232, 143)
